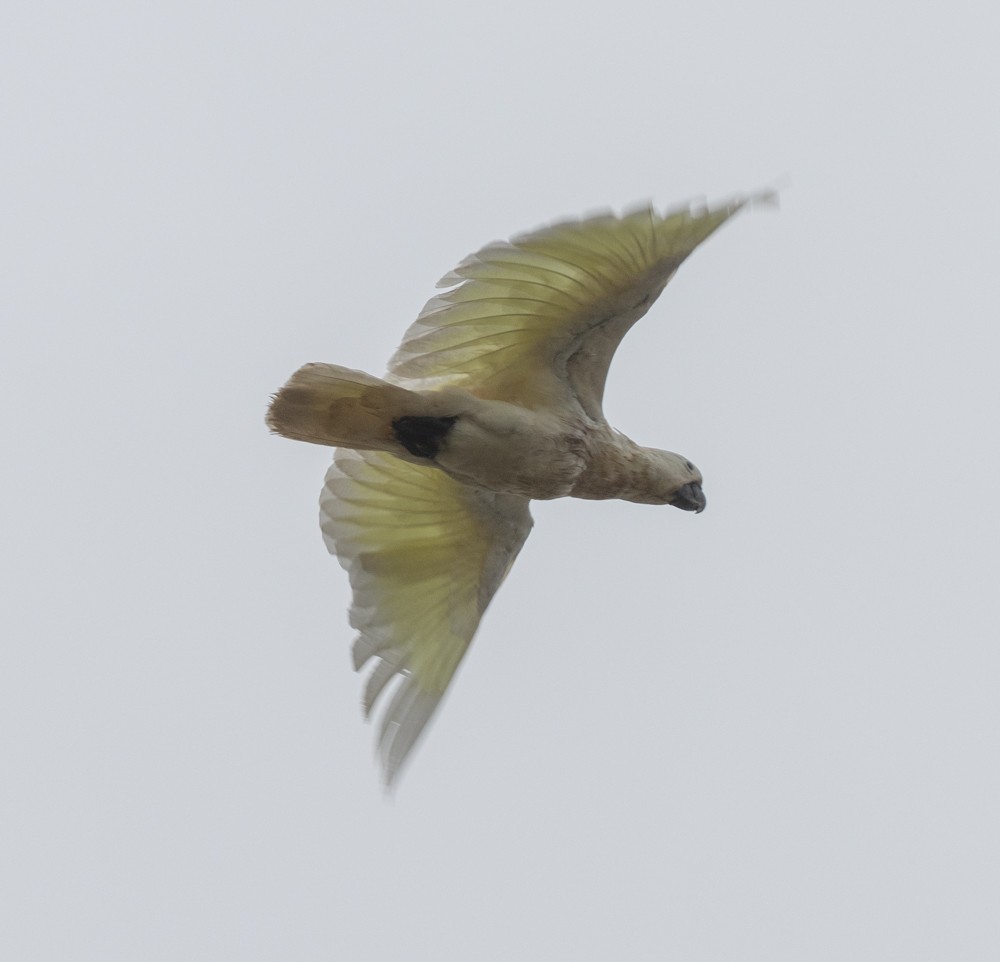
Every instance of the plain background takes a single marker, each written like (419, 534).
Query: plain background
(768, 732)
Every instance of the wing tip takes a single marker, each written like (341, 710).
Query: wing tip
(700, 206)
(766, 197)
(402, 726)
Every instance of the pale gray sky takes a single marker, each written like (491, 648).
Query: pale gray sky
(768, 732)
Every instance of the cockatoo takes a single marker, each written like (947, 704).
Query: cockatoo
(492, 399)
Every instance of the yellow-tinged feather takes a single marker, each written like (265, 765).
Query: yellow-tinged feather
(518, 310)
(425, 555)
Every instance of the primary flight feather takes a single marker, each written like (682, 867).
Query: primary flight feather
(492, 399)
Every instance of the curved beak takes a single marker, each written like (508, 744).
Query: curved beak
(690, 497)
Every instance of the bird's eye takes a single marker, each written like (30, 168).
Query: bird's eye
(689, 465)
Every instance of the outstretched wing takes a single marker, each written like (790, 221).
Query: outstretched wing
(425, 556)
(536, 320)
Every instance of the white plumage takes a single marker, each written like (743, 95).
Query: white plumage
(492, 399)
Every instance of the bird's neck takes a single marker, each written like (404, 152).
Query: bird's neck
(618, 468)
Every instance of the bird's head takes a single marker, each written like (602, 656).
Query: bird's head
(675, 481)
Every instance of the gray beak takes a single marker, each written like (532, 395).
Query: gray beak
(690, 498)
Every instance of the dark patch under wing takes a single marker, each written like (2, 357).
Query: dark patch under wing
(422, 436)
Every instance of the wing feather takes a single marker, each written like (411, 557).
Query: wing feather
(536, 320)
(425, 556)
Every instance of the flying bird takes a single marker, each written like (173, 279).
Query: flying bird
(493, 398)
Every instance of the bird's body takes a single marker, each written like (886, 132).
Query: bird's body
(490, 444)
(493, 399)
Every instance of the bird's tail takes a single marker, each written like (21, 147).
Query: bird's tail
(332, 405)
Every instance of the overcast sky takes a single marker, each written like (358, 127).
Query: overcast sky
(767, 732)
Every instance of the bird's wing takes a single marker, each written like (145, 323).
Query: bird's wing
(536, 320)
(425, 556)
